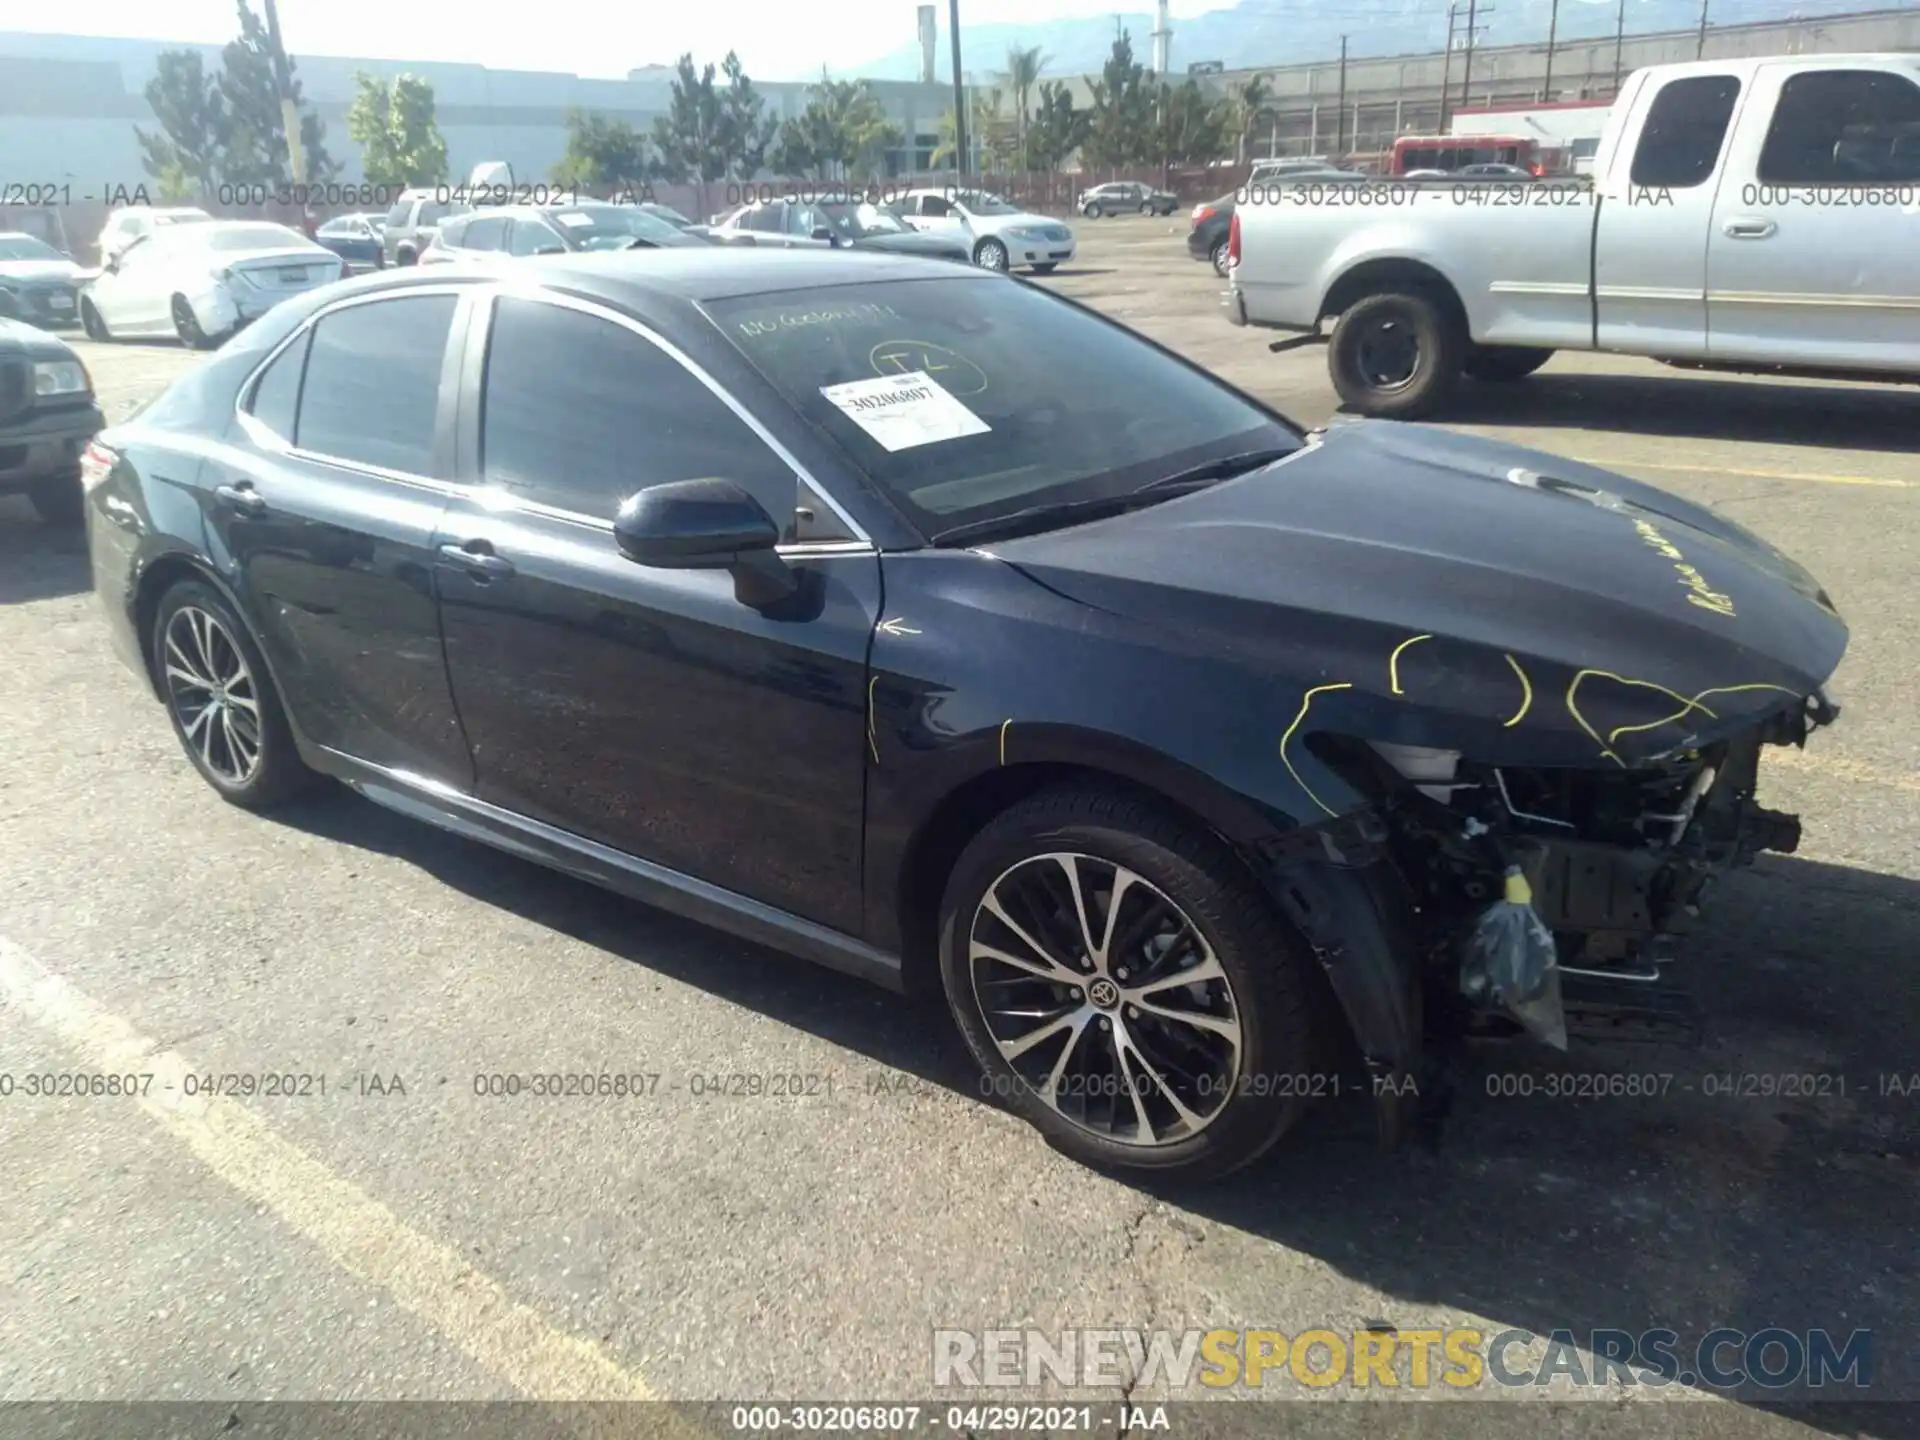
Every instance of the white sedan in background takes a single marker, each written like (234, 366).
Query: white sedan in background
(1001, 236)
(202, 282)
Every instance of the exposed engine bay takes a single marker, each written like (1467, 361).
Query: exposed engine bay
(1530, 881)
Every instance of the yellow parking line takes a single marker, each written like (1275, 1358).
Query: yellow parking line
(1880, 481)
(355, 1231)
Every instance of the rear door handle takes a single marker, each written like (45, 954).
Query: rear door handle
(476, 557)
(243, 497)
(1750, 229)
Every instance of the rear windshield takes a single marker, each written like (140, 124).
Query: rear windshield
(968, 399)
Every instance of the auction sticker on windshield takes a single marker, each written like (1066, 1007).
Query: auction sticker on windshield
(904, 411)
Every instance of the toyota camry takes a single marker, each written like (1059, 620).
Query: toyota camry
(920, 623)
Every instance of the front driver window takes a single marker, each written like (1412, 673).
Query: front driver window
(579, 413)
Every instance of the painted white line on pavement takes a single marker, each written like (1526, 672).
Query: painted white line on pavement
(355, 1231)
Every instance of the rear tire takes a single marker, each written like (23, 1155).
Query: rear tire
(1218, 255)
(1117, 1043)
(187, 325)
(1397, 355)
(221, 700)
(1095, 211)
(58, 500)
(1499, 364)
(1146, 207)
(91, 322)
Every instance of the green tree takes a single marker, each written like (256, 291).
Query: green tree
(602, 154)
(747, 131)
(1194, 127)
(842, 129)
(1023, 74)
(691, 137)
(1252, 102)
(393, 123)
(992, 136)
(185, 151)
(1056, 130)
(253, 146)
(1123, 128)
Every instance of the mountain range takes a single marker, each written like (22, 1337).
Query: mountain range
(1256, 33)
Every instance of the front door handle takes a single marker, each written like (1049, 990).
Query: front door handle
(1754, 229)
(243, 497)
(476, 557)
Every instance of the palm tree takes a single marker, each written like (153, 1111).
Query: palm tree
(1023, 73)
(1252, 98)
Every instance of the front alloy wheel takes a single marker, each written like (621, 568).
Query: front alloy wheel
(1125, 986)
(1105, 998)
(186, 325)
(990, 254)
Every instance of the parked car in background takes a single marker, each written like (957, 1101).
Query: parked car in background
(1494, 170)
(1207, 239)
(1265, 171)
(409, 224)
(1122, 197)
(132, 222)
(1694, 244)
(830, 224)
(37, 283)
(200, 283)
(1000, 236)
(550, 230)
(355, 239)
(47, 415)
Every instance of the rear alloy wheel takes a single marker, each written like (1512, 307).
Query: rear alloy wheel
(222, 702)
(990, 254)
(1219, 257)
(1498, 364)
(91, 322)
(1095, 211)
(187, 325)
(1123, 986)
(1396, 356)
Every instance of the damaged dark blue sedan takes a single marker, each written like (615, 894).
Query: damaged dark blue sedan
(929, 626)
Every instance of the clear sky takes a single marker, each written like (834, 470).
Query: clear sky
(776, 39)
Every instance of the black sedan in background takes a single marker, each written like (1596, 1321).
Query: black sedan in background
(38, 284)
(1207, 240)
(552, 230)
(846, 603)
(834, 224)
(356, 239)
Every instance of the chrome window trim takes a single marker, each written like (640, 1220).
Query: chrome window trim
(269, 439)
(518, 290)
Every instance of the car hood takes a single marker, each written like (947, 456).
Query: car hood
(994, 224)
(913, 243)
(38, 270)
(1462, 582)
(21, 341)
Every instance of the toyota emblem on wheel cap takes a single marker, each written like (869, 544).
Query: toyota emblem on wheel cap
(1104, 993)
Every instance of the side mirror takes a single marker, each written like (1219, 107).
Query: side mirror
(821, 232)
(551, 250)
(110, 264)
(707, 524)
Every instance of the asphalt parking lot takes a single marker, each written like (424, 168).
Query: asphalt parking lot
(402, 1237)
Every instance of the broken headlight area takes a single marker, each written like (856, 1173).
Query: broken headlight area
(1549, 899)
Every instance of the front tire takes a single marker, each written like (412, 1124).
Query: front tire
(1146, 207)
(1095, 211)
(221, 700)
(990, 254)
(1501, 364)
(92, 323)
(1125, 987)
(58, 500)
(1397, 356)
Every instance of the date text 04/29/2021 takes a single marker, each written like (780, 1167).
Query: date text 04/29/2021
(970, 1419)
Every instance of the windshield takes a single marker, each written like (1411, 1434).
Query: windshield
(967, 400)
(611, 227)
(251, 237)
(25, 247)
(856, 221)
(983, 204)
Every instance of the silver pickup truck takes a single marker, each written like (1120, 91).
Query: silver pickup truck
(1756, 215)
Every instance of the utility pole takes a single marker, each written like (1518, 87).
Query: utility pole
(1619, 39)
(1446, 70)
(960, 115)
(1473, 33)
(289, 114)
(1700, 49)
(1553, 30)
(1340, 144)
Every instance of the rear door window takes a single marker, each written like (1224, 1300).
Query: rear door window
(1685, 130)
(1844, 127)
(372, 389)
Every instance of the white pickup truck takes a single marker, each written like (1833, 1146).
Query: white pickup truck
(1757, 215)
